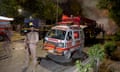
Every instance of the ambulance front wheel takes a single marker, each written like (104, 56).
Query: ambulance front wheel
(67, 54)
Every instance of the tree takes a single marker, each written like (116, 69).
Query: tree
(113, 7)
(44, 9)
(9, 8)
(75, 7)
(71, 7)
(51, 10)
(29, 5)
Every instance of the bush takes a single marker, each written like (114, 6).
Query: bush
(110, 47)
(96, 55)
(83, 67)
(117, 36)
(96, 52)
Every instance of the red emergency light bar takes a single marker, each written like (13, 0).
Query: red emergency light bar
(65, 22)
(77, 21)
(70, 20)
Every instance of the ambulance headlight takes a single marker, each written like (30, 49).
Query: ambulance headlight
(61, 45)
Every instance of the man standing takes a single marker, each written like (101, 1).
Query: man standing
(7, 43)
(31, 41)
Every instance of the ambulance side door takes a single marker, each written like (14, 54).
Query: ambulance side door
(69, 39)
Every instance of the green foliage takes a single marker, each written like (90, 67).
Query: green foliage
(96, 52)
(29, 5)
(44, 9)
(110, 47)
(83, 68)
(75, 7)
(104, 4)
(8, 8)
(117, 37)
(113, 7)
(50, 10)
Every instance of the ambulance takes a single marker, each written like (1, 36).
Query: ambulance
(64, 39)
(4, 24)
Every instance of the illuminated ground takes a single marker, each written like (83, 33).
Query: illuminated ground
(15, 63)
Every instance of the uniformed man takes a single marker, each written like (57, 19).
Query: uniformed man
(31, 41)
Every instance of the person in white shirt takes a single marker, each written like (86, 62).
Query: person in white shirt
(31, 41)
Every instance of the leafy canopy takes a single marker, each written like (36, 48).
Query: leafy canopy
(8, 8)
(45, 9)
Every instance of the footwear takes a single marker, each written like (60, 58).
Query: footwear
(25, 69)
(34, 70)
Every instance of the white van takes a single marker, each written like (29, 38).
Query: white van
(64, 40)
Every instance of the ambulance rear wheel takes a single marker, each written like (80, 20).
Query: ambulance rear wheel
(67, 54)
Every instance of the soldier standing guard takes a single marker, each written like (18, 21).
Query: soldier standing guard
(31, 41)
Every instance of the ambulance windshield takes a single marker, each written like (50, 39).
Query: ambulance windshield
(58, 34)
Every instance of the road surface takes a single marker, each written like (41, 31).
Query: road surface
(15, 63)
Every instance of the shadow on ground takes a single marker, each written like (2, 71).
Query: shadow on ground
(58, 64)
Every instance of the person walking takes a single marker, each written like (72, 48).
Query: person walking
(7, 42)
(31, 41)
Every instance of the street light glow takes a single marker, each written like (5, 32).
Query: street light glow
(20, 10)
